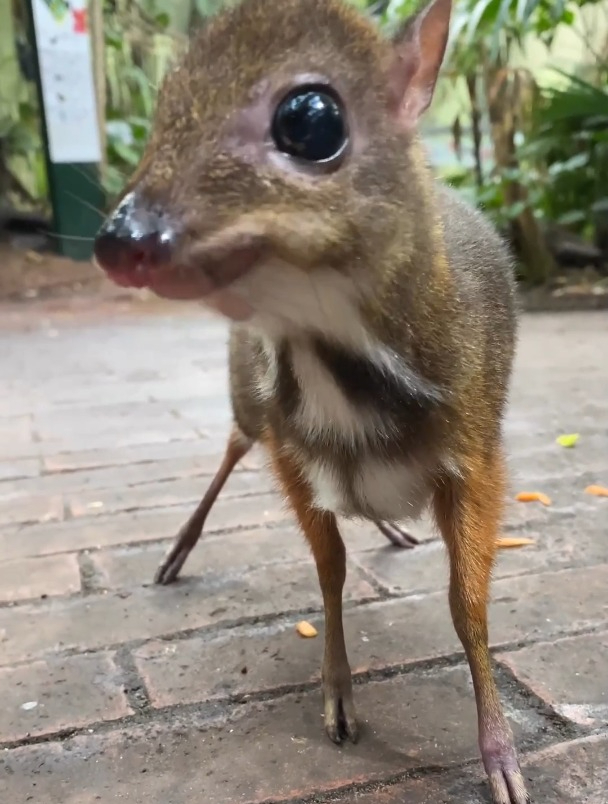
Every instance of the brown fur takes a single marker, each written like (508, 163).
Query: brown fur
(431, 282)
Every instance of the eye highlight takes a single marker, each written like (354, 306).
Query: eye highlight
(309, 124)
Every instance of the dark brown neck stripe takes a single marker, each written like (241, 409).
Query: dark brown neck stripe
(287, 387)
(400, 394)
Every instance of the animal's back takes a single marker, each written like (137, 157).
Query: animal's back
(482, 269)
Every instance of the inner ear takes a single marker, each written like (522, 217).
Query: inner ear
(418, 51)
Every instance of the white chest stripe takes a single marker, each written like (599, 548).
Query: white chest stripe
(324, 410)
(327, 489)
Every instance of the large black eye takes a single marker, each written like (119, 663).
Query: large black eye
(309, 124)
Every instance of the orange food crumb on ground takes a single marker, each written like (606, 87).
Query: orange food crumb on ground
(533, 496)
(507, 541)
(306, 630)
(597, 491)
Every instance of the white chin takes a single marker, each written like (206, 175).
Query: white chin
(230, 305)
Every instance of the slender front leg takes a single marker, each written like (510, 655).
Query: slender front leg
(322, 533)
(468, 512)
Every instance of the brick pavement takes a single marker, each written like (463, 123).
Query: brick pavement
(115, 690)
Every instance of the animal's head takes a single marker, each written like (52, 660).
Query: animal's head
(282, 161)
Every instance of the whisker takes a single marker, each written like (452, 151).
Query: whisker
(88, 177)
(87, 204)
(58, 236)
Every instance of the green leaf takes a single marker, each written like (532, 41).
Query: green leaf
(575, 162)
(511, 174)
(568, 18)
(574, 216)
(568, 440)
(162, 20)
(127, 153)
(516, 209)
(140, 128)
(557, 10)
(522, 12)
(138, 76)
(113, 40)
(484, 11)
(499, 26)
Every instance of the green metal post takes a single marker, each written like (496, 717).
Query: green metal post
(77, 197)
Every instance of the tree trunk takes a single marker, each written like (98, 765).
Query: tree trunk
(99, 73)
(471, 80)
(9, 94)
(528, 238)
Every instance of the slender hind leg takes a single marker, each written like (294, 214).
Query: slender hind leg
(238, 446)
(397, 535)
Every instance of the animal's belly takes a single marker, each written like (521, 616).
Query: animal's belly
(375, 489)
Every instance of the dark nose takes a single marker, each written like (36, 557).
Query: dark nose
(135, 235)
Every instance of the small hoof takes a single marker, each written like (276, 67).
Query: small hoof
(340, 716)
(397, 535)
(508, 787)
(170, 567)
(507, 784)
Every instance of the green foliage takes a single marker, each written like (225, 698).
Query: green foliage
(26, 181)
(571, 141)
(549, 144)
(138, 49)
(22, 169)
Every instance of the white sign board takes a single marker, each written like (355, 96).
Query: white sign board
(66, 72)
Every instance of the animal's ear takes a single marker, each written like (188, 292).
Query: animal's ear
(418, 51)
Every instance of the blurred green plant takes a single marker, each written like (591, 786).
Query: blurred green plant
(23, 180)
(547, 145)
(570, 141)
(140, 39)
(22, 170)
